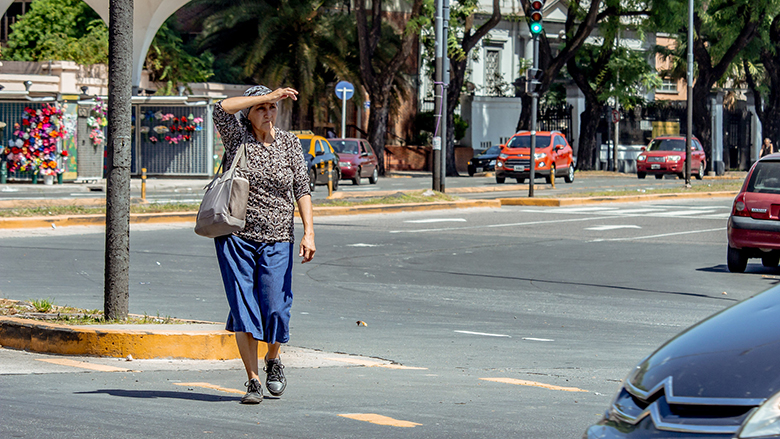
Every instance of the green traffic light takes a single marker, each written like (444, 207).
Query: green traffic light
(536, 28)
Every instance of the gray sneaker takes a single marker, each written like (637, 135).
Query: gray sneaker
(254, 392)
(275, 381)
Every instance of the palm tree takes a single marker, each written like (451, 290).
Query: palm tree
(299, 43)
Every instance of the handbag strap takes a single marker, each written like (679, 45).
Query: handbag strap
(240, 154)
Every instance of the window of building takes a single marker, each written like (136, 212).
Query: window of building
(668, 86)
(493, 78)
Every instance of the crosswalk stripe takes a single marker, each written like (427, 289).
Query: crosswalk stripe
(212, 387)
(379, 419)
(84, 365)
(533, 384)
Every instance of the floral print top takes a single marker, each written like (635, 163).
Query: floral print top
(276, 173)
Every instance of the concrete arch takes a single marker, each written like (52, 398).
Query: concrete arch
(148, 16)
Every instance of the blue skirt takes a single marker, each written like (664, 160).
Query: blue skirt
(258, 284)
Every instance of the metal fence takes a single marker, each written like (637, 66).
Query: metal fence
(10, 113)
(555, 118)
(159, 156)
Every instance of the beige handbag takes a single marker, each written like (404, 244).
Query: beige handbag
(223, 209)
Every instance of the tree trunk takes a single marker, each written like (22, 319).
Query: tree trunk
(588, 147)
(377, 131)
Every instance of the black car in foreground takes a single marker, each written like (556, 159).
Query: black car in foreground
(484, 161)
(718, 379)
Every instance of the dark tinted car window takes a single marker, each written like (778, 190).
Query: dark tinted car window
(559, 141)
(667, 145)
(369, 150)
(525, 142)
(319, 147)
(493, 150)
(305, 144)
(345, 146)
(765, 178)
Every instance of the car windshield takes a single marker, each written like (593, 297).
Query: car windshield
(525, 142)
(493, 150)
(667, 145)
(345, 146)
(765, 178)
(305, 143)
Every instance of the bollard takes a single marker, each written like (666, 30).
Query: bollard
(3, 172)
(552, 177)
(330, 178)
(143, 184)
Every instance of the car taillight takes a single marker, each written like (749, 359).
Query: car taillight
(740, 209)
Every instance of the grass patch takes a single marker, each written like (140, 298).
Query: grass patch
(721, 186)
(46, 310)
(85, 210)
(422, 196)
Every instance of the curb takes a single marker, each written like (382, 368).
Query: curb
(36, 336)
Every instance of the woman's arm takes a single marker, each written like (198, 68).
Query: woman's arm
(235, 104)
(307, 242)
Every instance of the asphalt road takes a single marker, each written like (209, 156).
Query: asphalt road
(510, 322)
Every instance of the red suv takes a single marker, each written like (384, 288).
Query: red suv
(553, 156)
(666, 155)
(754, 223)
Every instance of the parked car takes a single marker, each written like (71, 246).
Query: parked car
(717, 379)
(754, 223)
(356, 160)
(666, 155)
(484, 161)
(318, 154)
(553, 156)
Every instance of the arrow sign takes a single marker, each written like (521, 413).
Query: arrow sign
(344, 90)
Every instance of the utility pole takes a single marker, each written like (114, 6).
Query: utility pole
(120, 61)
(689, 133)
(440, 96)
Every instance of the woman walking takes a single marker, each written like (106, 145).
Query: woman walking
(256, 262)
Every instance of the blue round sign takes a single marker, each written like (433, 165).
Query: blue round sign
(345, 90)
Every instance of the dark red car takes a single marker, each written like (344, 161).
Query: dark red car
(666, 155)
(754, 223)
(356, 159)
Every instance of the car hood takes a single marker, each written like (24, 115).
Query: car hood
(663, 153)
(486, 156)
(524, 151)
(347, 156)
(733, 354)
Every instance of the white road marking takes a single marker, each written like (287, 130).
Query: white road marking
(663, 235)
(609, 227)
(484, 333)
(684, 212)
(491, 226)
(360, 244)
(537, 339)
(628, 211)
(437, 220)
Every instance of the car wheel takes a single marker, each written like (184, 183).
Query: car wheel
(736, 259)
(659, 176)
(569, 177)
(520, 180)
(471, 172)
(641, 175)
(770, 261)
(681, 175)
(356, 180)
(500, 180)
(374, 177)
(335, 182)
(700, 174)
(312, 179)
(550, 177)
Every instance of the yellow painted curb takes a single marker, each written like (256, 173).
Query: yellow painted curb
(409, 207)
(35, 336)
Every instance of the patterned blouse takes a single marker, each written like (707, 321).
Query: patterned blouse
(276, 173)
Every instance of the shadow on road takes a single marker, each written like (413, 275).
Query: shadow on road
(153, 394)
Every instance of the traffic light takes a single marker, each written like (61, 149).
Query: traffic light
(533, 80)
(535, 15)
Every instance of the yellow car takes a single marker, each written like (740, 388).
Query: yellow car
(318, 154)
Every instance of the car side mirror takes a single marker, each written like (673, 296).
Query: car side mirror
(644, 148)
(364, 154)
(319, 153)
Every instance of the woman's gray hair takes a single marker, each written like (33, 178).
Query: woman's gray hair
(257, 90)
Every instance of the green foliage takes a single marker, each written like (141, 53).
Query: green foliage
(59, 30)
(425, 123)
(43, 305)
(172, 62)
